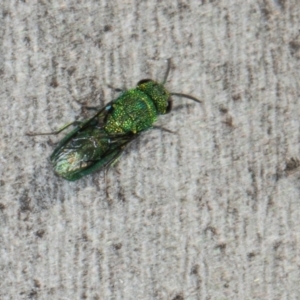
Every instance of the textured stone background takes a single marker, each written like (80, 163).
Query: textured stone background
(211, 212)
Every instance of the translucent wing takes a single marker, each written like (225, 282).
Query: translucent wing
(88, 148)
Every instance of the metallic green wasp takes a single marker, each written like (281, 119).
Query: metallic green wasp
(96, 143)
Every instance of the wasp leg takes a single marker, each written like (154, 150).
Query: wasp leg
(75, 123)
(118, 90)
(97, 108)
(164, 129)
(92, 107)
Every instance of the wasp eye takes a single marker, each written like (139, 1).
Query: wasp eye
(144, 81)
(169, 107)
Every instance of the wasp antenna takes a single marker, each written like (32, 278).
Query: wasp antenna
(168, 70)
(186, 96)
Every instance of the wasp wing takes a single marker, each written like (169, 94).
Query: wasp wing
(88, 148)
(99, 117)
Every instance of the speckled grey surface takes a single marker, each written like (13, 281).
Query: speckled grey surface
(210, 212)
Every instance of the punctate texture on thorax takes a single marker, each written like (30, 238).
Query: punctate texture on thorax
(133, 111)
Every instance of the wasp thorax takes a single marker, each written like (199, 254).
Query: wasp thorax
(157, 92)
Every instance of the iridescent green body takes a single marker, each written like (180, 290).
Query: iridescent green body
(96, 143)
(99, 141)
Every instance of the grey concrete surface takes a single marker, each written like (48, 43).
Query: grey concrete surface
(210, 212)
